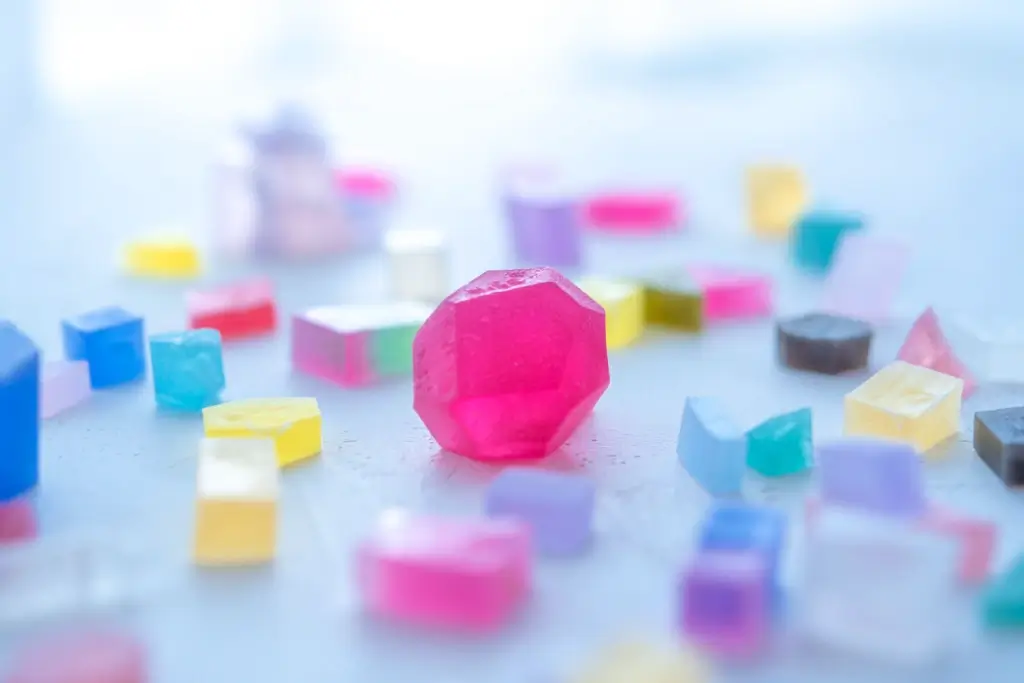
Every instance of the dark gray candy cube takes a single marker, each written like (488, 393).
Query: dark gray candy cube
(820, 342)
(999, 442)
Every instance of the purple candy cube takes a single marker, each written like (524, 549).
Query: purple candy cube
(64, 385)
(559, 508)
(882, 477)
(725, 602)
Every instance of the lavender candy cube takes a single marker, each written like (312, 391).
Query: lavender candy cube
(741, 527)
(65, 384)
(545, 226)
(559, 508)
(880, 477)
(724, 602)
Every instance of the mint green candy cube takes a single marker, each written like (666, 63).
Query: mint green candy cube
(781, 445)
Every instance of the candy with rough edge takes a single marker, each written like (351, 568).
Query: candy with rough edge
(776, 194)
(726, 602)
(239, 310)
(823, 343)
(633, 211)
(65, 384)
(17, 520)
(294, 424)
(558, 507)
(711, 448)
(103, 656)
(999, 442)
(544, 224)
(356, 345)
(236, 502)
(162, 258)
(643, 662)
(623, 304)
(188, 370)
(731, 294)
(928, 347)
(419, 265)
(865, 278)
(461, 574)
(904, 402)
(19, 412)
(781, 445)
(880, 477)
(510, 364)
(673, 299)
(817, 235)
(112, 340)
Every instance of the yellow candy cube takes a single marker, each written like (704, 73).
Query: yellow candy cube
(294, 424)
(904, 402)
(236, 502)
(644, 663)
(623, 304)
(777, 195)
(162, 259)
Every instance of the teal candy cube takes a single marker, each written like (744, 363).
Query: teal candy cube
(781, 445)
(816, 237)
(1002, 603)
(188, 369)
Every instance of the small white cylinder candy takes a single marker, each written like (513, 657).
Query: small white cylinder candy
(418, 265)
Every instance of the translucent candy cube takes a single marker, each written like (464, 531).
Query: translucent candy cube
(623, 304)
(644, 662)
(776, 194)
(463, 574)
(188, 370)
(928, 347)
(634, 211)
(726, 602)
(882, 477)
(878, 588)
(112, 341)
(236, 502)
(817, 235)
(730, 294)
(418, 265)
(558, 508)
(711, 448)
(742, 527)
(237, 311)
(544, 224)
(675, 300)
(294, 424)
(865, 278)
(904, 402)
(823, 343)
(162, 258)
(357, 345)
(81, 657)
(19, 412)
(65, 384)
(781, 445)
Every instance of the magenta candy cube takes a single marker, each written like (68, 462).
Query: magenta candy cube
(726, 602)
(460, 574)
(633, 211)
(94, 657)
(65, 384)
(732, 295)
(18, 519)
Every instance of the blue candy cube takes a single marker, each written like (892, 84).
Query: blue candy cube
(816, 236)
(711, 448)
(746, 528)
(111, 340)
(188, 370)
(19, 412)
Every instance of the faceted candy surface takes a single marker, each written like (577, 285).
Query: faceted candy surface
(817, 235)
(237, 311)
(882, 477)
(163, 258)
(711, 448)
(674, 299)
(188, 370)
(1002, 604)
(236, 502)
(356, 345)
(64, 384)
(819, 342)
(464, 574)
(731, 294)
(510, 364)
(649, 211)
(293, 423)
(999, 442)
(545, 225)
(17, 520)
(19, 412)
(865, 278)
(927, 346)
(85, 657)
(641, 662)
(418, 265)
(623, 304)
(558, 508)
(781, 445)
(111, 340)
(904, 402)
(776, 195)
(741, 527)
(726, 602)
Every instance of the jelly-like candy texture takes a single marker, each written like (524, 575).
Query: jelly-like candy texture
(711, 448)
(19, 412)
(112, 341)
(188, 370)
(781, 445)
(237, 311)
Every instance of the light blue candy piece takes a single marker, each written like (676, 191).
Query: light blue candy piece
(112, 341)
(816, 237)
(711, 448)
(188, 370)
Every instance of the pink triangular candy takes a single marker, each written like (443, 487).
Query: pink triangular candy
(928, 347)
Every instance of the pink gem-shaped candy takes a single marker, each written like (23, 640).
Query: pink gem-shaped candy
(96, 657)
(510, 364)
(65, 384)
(730, 294)
(927, 346)
(633, 211)
(865, 277)
(465, 574)
(17, 520)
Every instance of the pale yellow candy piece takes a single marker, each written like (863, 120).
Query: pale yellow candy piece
(294, 424)
(777, 195)
(236, 502)
(162, 258)
(623, 304)
(638, 662)
(908, 403)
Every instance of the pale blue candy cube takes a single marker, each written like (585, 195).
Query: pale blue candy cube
(188, 370)
(711, 447)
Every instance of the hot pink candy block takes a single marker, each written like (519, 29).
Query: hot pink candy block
(976, 537)
(633, 211)
(462, 574)
(366, 183)
(865, 278)
(730, 294)
(81, 658)
(17, 521)
(927, 346)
